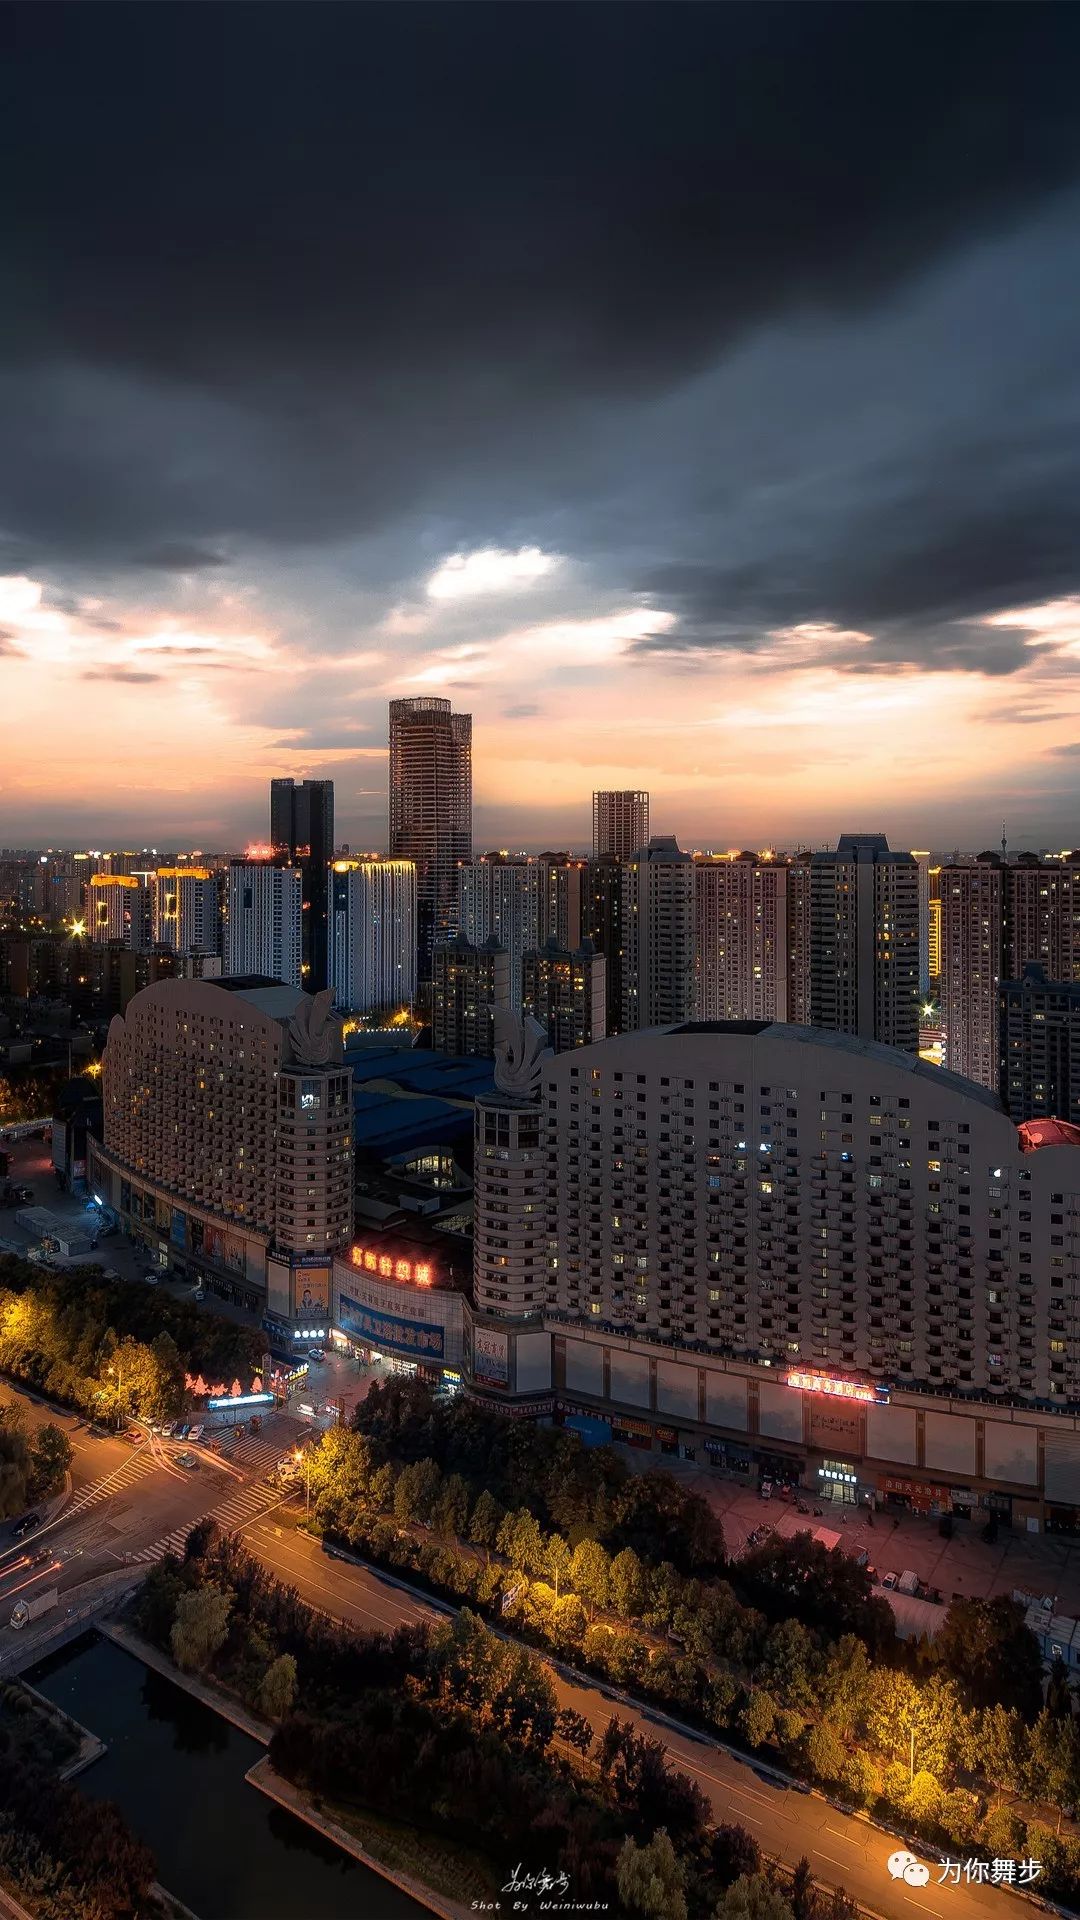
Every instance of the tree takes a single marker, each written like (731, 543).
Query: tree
(1054, 1763)
(753, 1897)
(801, 1896)
(486, 1515)
(986, 1647)
(574, 1729)
(590, 1571)
(14, 1469)
(417, 1492)
(200, 1627)
(277, 1691)
(50, 1457)
(651, 1879)
(628, 1585)
(845, 1683)
(734, 1852)
(557, 1562)
(998, 1749)
(452, 1508)
(758, 1717)
(520, 1541)
(925, 1800)
(825, 1753)
(790, 1664)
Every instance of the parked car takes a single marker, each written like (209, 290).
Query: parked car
(167, 1430)
(186, 1460)
(890, 1580)
(316, 1354)
(198, 1294)
(195, 1433)
(26, 1525)
(151, 1279)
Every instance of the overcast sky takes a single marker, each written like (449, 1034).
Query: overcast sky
(691, 393)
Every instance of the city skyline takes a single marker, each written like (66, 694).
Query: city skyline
(774, 540)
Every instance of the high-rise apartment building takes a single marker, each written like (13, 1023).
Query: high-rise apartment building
(228, 1139)
(802, 1252)
(620, 823)
(185, 910)
(741, 937)
(1040, 1047)
(264, 921)
(117, 910)
(933, 933)
(467, 985)
(973, 900)
(373, 934)
(302, 833)
(864, 941)
(499, 899)
(602, 922)
(561, 897)
(566, 993)
(430, 806)
(797, 892)
(658, 936)
(1042, 916)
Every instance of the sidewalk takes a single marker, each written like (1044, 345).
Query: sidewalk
(965, 1565)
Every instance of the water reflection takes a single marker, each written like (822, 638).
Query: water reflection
(176, 1769)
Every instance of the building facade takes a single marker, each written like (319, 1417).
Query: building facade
(1040, 1047)
(499, 899)
(302, 835)
(620, 823)
(117, 911)
(741, 938)
(864, 941)
(467, 985)
(373, 934)
(227, 1147)
(566, 993)
(430, 808)
(264, 921)
(186, 910)
(602, 922)
(658, 936)
(973, 898)
(802, 1253)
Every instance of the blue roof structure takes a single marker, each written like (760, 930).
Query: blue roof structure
(408, 1098)
(421, 1070)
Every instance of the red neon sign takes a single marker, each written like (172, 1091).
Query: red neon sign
(837, 1389)
(416, 1273)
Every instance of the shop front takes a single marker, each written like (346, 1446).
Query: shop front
(920, 1496)
(631, 1432)
(838, 1481)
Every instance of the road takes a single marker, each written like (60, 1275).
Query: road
(130, 1505)
(787, 1821)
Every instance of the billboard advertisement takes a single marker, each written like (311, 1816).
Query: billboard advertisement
(311, 1292)
(413, 1338)
(491, 1357)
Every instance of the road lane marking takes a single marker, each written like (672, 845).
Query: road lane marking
(936, 1911)
(830, 1857)
(845, 1837)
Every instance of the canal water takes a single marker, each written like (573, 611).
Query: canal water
(176, 1770)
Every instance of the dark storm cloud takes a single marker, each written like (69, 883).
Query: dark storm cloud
(286, 273)
(179, 556)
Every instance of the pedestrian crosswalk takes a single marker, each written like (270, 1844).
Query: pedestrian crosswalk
(124, 1476)
(240, 1507)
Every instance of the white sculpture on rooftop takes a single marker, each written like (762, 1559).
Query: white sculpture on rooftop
(315, 1032)
(521, 1045)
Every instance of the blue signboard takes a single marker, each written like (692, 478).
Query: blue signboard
(412, 1337)
(178, 1234)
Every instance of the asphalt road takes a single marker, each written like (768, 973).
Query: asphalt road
(787, 1822)
(130, 1504)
